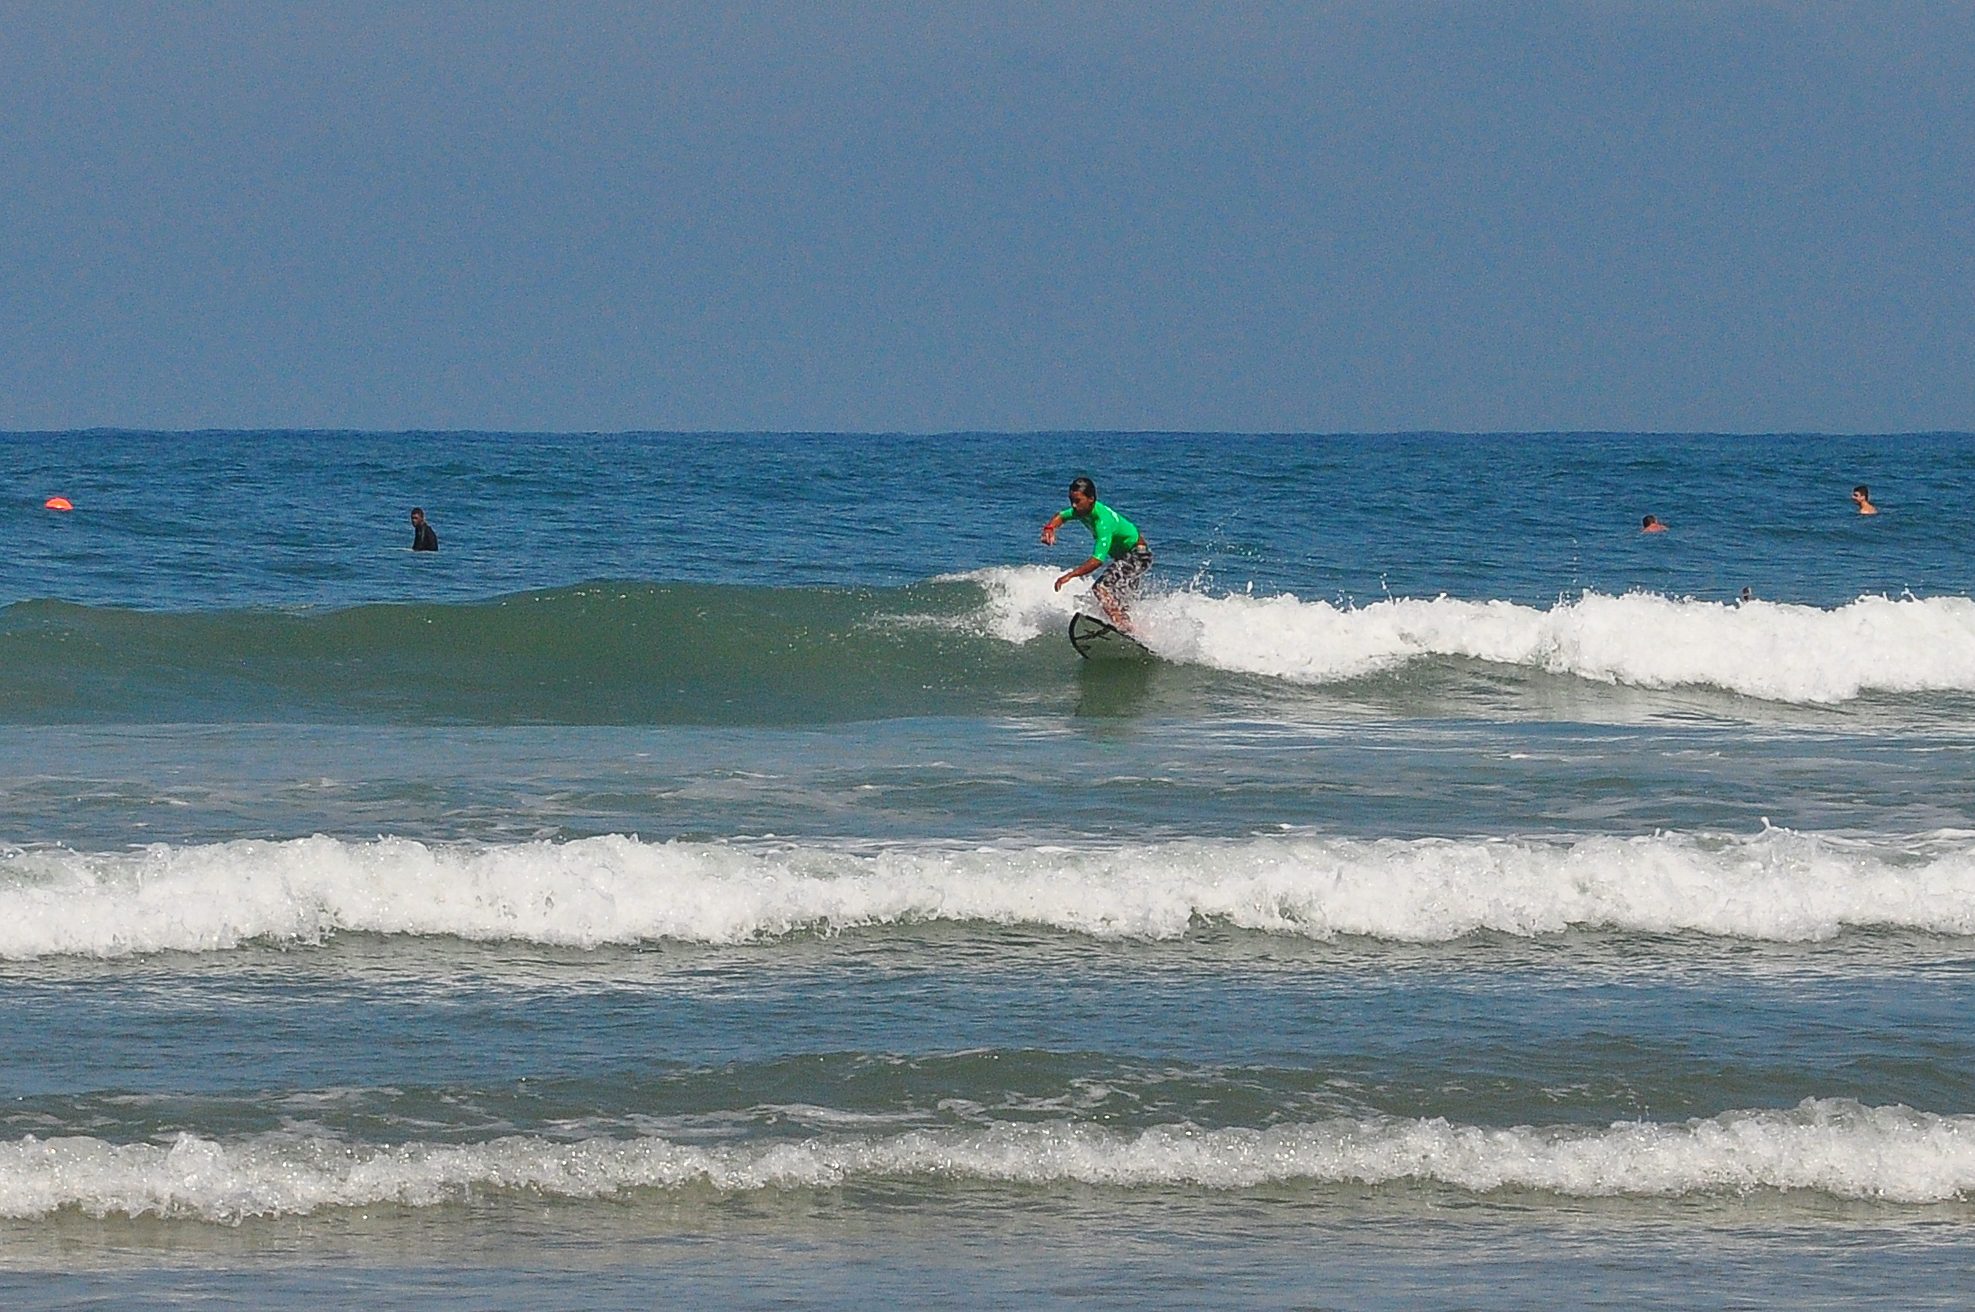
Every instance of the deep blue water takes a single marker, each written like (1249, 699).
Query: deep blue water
(183, 521)
(712, 878)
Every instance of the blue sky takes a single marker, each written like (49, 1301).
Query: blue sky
(1307, 217)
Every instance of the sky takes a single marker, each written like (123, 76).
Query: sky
(920, 217)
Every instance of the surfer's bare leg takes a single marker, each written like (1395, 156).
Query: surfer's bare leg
(1114, 609)
(1119, 583)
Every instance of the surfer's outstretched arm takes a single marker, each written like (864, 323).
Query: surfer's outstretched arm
(1049, 530)
(1087, 567)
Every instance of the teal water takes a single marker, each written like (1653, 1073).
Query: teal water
(712, 877)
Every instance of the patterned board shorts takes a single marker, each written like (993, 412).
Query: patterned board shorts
(1123, 576)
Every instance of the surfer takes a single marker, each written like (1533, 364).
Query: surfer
(1117, 548)
(422, 536)
(1863, 500)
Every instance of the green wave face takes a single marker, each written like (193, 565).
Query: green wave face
(592, 654)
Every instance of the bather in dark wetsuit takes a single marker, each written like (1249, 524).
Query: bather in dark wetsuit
(424, 539)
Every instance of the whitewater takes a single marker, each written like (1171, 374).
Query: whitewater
(1776, 885)
(1772, 650)
(1893, 1155)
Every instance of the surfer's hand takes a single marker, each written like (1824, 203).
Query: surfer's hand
(1048, 535)
(1062, 579)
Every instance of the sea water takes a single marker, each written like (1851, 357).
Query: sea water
(713, 879)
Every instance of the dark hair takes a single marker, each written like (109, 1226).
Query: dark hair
(1860, 489)
(418, 510)
(1647, 522)
(1085, 486)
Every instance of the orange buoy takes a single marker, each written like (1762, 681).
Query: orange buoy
(59, 503)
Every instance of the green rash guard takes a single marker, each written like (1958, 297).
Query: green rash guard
(1112, 534)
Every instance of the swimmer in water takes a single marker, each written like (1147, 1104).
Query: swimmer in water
(1863, 500)
(422, 536)
(1651, 524)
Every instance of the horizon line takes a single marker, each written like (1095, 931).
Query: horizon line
(118, 430)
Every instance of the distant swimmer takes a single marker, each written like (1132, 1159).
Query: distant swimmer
(1748, 593)
(422, 536)
(1117, 548)
(1651, 524)
(1863, 500)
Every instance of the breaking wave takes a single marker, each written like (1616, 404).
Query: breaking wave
(1776, 885)
(1770, 650)
(1837, 1148)
(637, 653)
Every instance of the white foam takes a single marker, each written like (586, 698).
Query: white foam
(1833, 1147)
(1762, 649)
(1776, 885)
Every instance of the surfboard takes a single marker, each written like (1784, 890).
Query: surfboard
(1096, 640)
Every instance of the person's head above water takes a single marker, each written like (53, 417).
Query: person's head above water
(1862, 498)
(1651, 524)
(418, 514)
(1083, 494)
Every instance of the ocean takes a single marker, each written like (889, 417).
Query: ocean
(712, 878)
